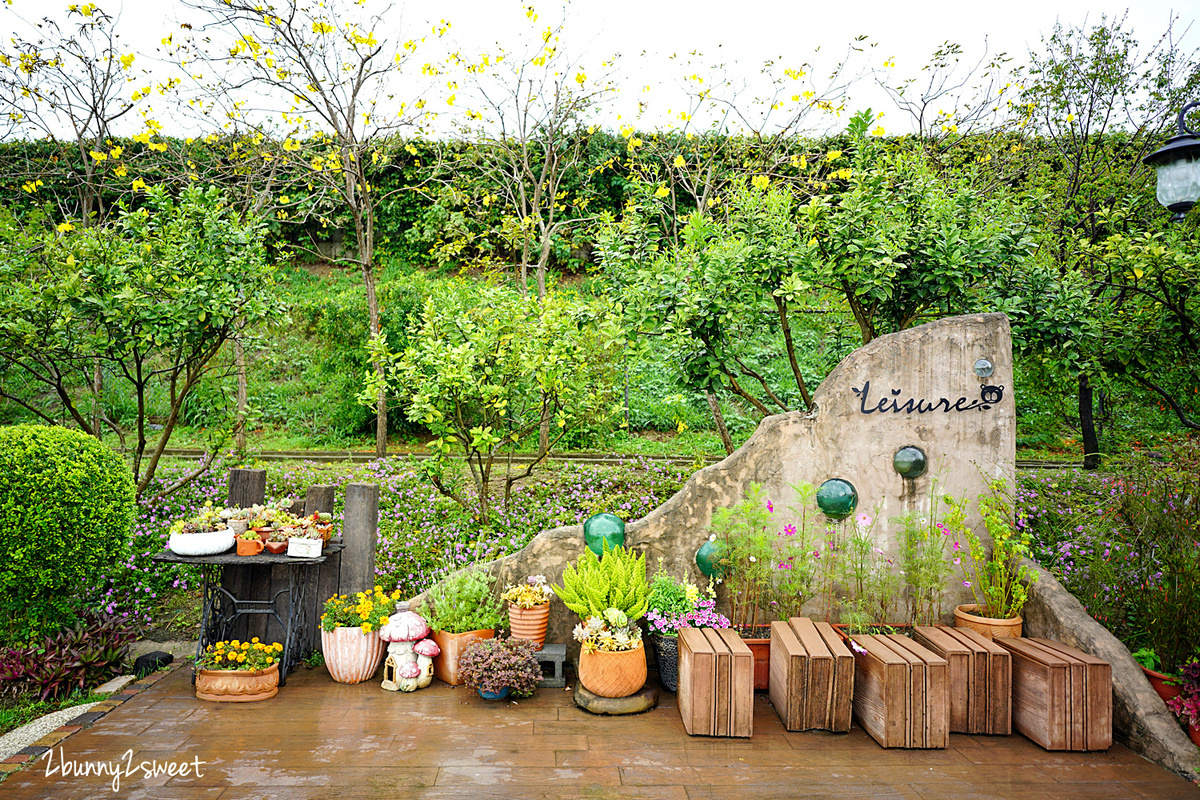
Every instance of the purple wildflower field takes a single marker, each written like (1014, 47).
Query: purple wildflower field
(1126, 544)
(422, 534)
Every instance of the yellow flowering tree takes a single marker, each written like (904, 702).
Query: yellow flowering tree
(523, 121)
(71, 82)
(319, 78)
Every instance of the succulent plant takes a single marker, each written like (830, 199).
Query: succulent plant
(491, 665)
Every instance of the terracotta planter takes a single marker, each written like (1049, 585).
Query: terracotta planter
(237, 685)
(617, 674)
(445, 663)
(276, 548)
(1194, 734)
(1158, 682)
(249, 547)
(965, 617)
(529, 623)
(351, 655)
(761, 648)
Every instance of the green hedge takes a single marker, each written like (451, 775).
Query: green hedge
(66, 515)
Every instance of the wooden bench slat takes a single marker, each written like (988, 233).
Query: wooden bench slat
(1097, 694)
(1039, 684)
(960, 660)
(696, 670)
(788, 682)
(880, 692)
(841, 694)
(741, 707)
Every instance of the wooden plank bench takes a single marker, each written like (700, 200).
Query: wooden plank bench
(979, 673)
(901, 696)
(811, 676)
(716, 683)
(1062, 698)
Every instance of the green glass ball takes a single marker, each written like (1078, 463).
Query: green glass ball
(707, 558)
(837, 498)
(603, 527)
(910, 462)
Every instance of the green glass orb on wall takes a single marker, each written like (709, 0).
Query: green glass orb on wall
(707, 558)
(837, 498)
(603, 527)
(910, 462)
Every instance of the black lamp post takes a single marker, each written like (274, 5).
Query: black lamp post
(1178, 166)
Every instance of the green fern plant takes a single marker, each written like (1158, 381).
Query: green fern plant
(618, 580)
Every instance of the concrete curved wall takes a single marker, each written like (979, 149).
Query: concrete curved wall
(916, 387)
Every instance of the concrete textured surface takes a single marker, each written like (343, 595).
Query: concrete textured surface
(848, 437)
(320, 739)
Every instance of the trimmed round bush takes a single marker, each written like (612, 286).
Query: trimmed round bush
(66, 515)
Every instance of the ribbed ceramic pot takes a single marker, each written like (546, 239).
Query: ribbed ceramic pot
(965, 616)
(529, 623)
(237, 685)
(613, 674)
(351, 655)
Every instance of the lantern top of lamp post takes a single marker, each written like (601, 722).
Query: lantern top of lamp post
(1184, 144)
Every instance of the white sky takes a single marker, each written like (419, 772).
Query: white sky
(741, 34)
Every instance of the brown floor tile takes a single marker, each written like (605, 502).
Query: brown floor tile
(528, 776)
(327, 741)
(786, 791)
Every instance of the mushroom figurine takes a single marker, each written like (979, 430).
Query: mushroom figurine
(426, 649)
(404, 629)
(408, 679)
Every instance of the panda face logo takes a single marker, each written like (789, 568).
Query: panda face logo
(991, 394)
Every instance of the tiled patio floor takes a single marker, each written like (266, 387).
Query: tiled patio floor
(320, 739)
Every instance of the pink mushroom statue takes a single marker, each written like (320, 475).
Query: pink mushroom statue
(408, 666)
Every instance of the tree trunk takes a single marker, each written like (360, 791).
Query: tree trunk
(544, 430)
(381, 410)
(1087, 424)
(97, 391)
(715, 407)
(239, 424)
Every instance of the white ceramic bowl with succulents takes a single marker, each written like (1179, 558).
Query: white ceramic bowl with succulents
(188, 540)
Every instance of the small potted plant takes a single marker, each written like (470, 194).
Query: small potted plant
(674, 604)
(237, 519)
(460, 608)
(997, 579)
(350, 638)
(304, 542)
(202, 535)
(323, 522)
(497, 668)
(249, 544)
(238, 672)
(1187, 705)
(529, 609)
(277, 543)
(610, 595)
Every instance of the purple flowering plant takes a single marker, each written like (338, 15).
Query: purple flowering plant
(675, 603)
